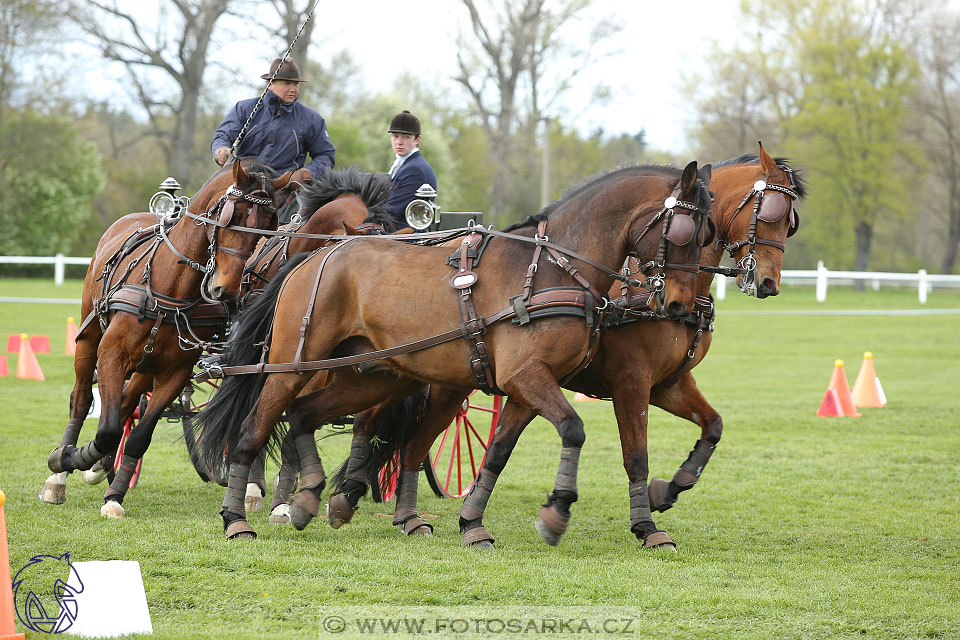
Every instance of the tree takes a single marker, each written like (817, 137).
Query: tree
(23, 25)
(503, 63)
(939, 103)
(47, 177)
(148, 51)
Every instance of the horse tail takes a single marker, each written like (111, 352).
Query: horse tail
(391, 432)
(218, 426)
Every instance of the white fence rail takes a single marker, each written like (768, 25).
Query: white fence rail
(821, 276)
(58, 262)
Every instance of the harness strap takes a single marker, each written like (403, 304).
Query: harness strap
(472, 327)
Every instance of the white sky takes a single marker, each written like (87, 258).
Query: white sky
(659, 42)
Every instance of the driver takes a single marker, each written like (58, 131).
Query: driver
(282, 132)
(410, 169)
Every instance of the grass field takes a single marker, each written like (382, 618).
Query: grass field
(801, 527)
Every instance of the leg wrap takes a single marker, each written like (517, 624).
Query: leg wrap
(406, 497)
(357, 464)
(72, 433)
(689, 472)
(640, 505)
(86, 456)
(476, 501)
(121, 482)
(311, 471)
(286, 483)
(236, 489)
(567, 474)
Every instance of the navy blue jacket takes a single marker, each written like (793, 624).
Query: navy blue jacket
(280, 135)
(414, 172)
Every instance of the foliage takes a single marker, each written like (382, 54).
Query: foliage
(47, 177)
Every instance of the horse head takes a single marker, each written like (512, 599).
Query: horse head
(673, 232)
(246, 206)
(758, 224)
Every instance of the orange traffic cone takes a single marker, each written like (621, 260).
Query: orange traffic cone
(4, 367)
(830, 406)
(867, 391)
(8, 628)
(838, 383)
(71, 348)
(582, 397)
(27, 365)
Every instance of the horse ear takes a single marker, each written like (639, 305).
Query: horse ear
(769, 165)
(404, 231)
(348, 230)
(705, 173)
(689, 178)
(282, 181)
(239, 175)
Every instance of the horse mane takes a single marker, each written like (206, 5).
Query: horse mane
(799, 175)
(703, 198)
(372, 188)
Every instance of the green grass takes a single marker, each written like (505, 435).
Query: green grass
(801, 527)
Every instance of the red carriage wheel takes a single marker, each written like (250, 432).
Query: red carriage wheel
(386, 486)
(456, 457)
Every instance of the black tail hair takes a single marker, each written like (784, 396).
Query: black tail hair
(390, 434)
(218, 425)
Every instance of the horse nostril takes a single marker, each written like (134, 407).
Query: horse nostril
(676, 309)
(768, 287)
(217, 293)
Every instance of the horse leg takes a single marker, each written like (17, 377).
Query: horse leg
(631, 403)
(277, 393)
(442, 409)
(85, 362)
(536, 387)
(513, 419)
(138, 384)
(256, 483)
(343, 503)
(685, 400)
(166, 389)
(111, 370)
(286, 481)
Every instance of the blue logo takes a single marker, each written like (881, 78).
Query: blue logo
(44, 601)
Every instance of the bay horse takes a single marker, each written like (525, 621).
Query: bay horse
(643, 360)
(145, 314)
(378, 295)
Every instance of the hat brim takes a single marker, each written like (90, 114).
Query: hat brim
(412, 133)
(267, 76)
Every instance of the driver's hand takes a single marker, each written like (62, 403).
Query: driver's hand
(221, 155)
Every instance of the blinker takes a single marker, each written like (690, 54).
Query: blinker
(773, 208)
(681, 229)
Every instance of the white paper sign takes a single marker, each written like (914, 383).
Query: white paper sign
(113, 602)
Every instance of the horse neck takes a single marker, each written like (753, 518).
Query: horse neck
(176, 279)
(596, 226)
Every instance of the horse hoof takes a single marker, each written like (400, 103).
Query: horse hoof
(477, 538)
(55, 459)
(55, 489)
(280, 514)
(547, 534)
(551, 525)
(660, 540)
(659, 493)
(253, 501)
(240, 530)
(112, 509)
(95, 474)
(483, 545)
(416, 526)
(339, 511)
(303, 508)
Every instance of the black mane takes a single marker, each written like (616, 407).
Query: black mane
(703, 197)
(372, 189)
(799, 175)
